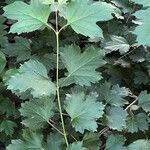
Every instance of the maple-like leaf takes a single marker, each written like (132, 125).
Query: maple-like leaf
(31, 141)
(20, 49)
(117, 43)
(116, 117)
(142, 30)
(54, 141)
(81, 66)
(115, 142)
(137, 122)
(83, 15)
(47, 1)
(140, 145)
(144, 100)
(37, 112)
(143, 2)
(113, 95)
(12, 1)
(91, 141)
(29, 17)
(8, 127)
(32, 75)
(76, 146)
(84, 111)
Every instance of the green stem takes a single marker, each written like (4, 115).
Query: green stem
(55, 128)
(58, 93)
(57, 82)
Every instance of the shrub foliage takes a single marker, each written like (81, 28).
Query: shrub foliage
(74, 74)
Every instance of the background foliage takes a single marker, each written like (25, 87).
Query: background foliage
(104, 70)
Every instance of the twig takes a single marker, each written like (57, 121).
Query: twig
(104, 130)
(55, 128)
(130, 105)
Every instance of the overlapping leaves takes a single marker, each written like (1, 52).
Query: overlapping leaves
(82, 66)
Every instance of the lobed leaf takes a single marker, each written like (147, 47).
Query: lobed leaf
(144, 100)
(84, 111)
(115, 142)
(75, 146)
(81, 66)
(116, 118)
(28, 17)
(32, 76)
(37, 112)
(83, 15)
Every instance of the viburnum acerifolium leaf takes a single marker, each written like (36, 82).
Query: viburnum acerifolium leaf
(33, 76)
(139, 145)
(84, 110)
(142, 30)
(29, 17)
(76, 146)
(37, 112)
(83, 15)
(81, 66)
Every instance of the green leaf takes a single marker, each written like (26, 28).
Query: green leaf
(123, 4)
(117, 43)
(113, 95)
(47, 1)
(53, 1)
(82, 16)
(76, 146)
(37, 112)
(32, 141)
(116, 118)
(91, 141)
(142, 31)
(7, 76)
(141, 78)
(143, 2)
(30, 17)
(49, 61)
(20, 49)
(2, 61)
(12, 1)
(7, 107)
(84, 111)
(32, 76)
(8, 127)
(3, 38)
(54, 142)
(115, 142)
(81, 66)
(139, 55)
(139, 145)
(137, 122)
(62, 1)
(144, 100)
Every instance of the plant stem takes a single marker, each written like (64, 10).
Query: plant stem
(130, 105)
(55, 127)
(57, 82)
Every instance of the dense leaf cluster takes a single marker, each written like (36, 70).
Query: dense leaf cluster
(74, 75)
